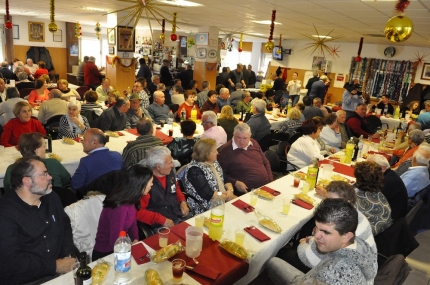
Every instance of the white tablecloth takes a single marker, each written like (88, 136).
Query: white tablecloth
(391, 122)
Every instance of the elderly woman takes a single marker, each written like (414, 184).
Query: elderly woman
(182, 147)
(293, 122)
(324, 148)
(204, 177)
(41, 70)
(91, 98)
(306, 147)
(73, 124)
(113, 95)
(23, 81)
(210, 104)
(259, 124)
(416, 137)
(330, 133)
(63, 86)
(34, 144)
(370, 200)
(22, 124)
(227, 121)
(190, 96)
(40, 94)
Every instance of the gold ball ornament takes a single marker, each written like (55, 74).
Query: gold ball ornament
(269, 45)
(279, 51)
(52, 27)
(399, 29)
(162, 37)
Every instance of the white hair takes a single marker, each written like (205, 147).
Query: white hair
(260, 105)
(421, 156)
(155, 156)
(379, 160)
(210, 117)
(74, 103)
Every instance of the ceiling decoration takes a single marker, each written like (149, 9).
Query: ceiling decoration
(8, 24)
(270, 45)
(399, 28)
(52, 27)
(319, 43)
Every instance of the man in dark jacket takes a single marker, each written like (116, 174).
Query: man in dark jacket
(165, 75)
(312, 80)
(223, 77)
(252, 77)
(186, 76)
(144, 70)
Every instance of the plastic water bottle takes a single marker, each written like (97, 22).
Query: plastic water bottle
(170, 118)
(360, 147)
(122, 259)
(312, 175)
(217, 217)
(290, 104)
(194, 113)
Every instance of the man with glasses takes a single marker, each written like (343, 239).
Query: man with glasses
(212, 131)
(223, 98)
(244, 105)
(35, 233)
(139, 88)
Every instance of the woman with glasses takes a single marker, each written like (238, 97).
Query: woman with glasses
(33, 144)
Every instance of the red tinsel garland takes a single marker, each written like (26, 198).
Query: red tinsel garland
(402, 5)
(272, 25)
(358, 58)
(8, 24)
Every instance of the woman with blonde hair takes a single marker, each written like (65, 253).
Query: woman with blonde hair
(413, 108)
(292, 123)
(227, 121)
(204, 177)
(113, 95)
(63, 86)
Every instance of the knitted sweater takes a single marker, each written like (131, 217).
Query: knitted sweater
(13, 129)
(345, 266)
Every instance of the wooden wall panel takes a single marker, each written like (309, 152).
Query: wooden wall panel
(58, 56)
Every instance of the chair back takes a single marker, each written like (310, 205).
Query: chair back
(52, 126)
(280, 150)
(25, 92)
(104, 184)
(84, 218)
(91, 116)
(394, 271)
(265, 142)
(174, 108)
(81, 90)
(273, 159)
(411, 214)
(293, 138)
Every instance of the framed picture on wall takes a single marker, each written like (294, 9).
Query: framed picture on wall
(57, 36)
(111, 50)
(202, 39)
(36, 31)
(111, 36)
(15, 32)
(125, 39)
(426, 71)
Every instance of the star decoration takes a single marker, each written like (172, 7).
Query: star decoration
(334, 51)
(229, 38)
(419, 59)
(319, 43)
(148, 7)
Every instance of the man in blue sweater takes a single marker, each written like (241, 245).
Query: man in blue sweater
(100, 159)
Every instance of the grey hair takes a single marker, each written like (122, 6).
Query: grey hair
(427, 103)
(317, 99)
(22, 76)
(74, 103)
(340, 112)
(417, 136)
(155, 156)
(154, 77)
(56, 93)
(12, 92)
(222, 90)
(422, 157)
(379, 160)
(425, 146)
(259, 104)
(19, 69)
(239, 85)
(161, 86)
(158, 93)
(242, 128)
(210, 117)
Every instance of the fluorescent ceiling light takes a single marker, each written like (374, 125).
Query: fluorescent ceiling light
(321, 36)
(266, 22)
(93, 9)
(184, 3)
(256, 34)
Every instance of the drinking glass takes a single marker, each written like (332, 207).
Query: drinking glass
(178, 268)
(199, 221)
(253, 198)
(193, 241)
(286, 204)
(305, 189)
(240, 236)
(296, 180)
(163, 236)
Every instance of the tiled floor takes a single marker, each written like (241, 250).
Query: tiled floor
(419, 261)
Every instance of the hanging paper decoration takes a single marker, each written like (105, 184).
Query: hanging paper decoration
(334, 50)
(319, 43)
(190, 42)
(279, 51)
(163, 36)
(8, 24)
(98, 30)
(52, 27)
(125, 63)
(399, 28)
(358, 58)
(78, 30)
(419, 59)
(270, 45)
(240, 49)
(173, 36)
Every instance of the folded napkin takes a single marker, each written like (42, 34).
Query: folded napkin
(179, 229)
(120, 134)
(243, 206)
(270, 190)
(203, 270)
(139, 253)
(78, 139)
(257, 233)
(302, 204)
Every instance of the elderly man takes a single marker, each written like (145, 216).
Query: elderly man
(310, 110)
(394, 189)
(330, 133)
(115, 118)
(424, 118)
(135, 150)
(158, 110)
(104, 89)
(348, 259)
(2, 90)
(244, 105)
(402, 140)
(351, 98)
(358, 124)
(236, 76)
(165, 75)
(202, 97)
(223, 98)
(416, 137)
(139, 88)
(344, 129)
(92, 74)
(53, 107)
(236, 95)
(6, 72)
(35, 234)
(212, 131)
(31, 66)
(318, 88)
(244, 163)
(152, 85)
(80, 74)
(417, 177)
(317, 103)
(135, 113)
(100, 159)
(6, 108)
(311, 81)
(258, 123)
(165, 205)
(168, 98)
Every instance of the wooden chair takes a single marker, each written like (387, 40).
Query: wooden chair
(81, 91)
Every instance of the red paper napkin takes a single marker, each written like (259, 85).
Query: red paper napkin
(179, 229)
(340, 168)
(243, 206)
(120, 134)
(257, 233)
(139, 252)
(133, 131)
(78, 139)
(203, 270)
(270, 190)
(302, 204)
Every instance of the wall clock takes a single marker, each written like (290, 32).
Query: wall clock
(389, 51)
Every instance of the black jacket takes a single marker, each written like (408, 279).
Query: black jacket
(397, 196)
(41, 54)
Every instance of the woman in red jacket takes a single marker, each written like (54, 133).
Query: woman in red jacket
(41, 70)
(22, 124)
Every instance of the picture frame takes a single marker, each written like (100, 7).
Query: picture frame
(111, 36)
(201, 53)
(425, 74)
(57, 36)
(15, 32)
(125, 42)
(111, 50)
(202, 39)
(36, 31)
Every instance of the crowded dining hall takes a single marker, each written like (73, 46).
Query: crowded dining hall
(144, 143)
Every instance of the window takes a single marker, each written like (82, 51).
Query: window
(93, 47)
